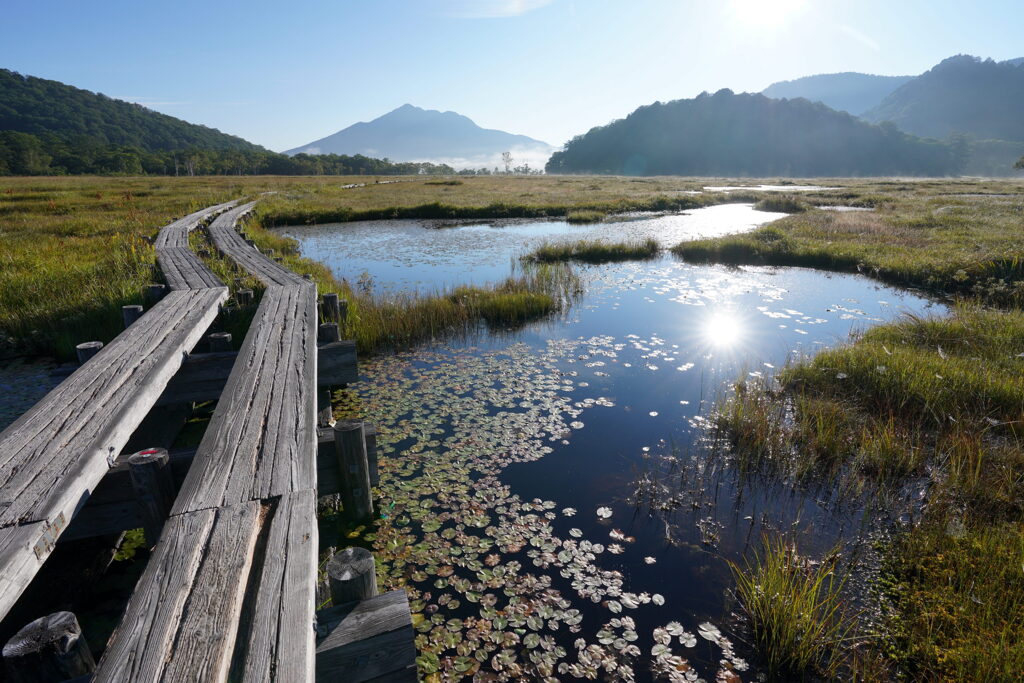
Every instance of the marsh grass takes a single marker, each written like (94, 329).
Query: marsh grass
(594, 251)
(798, 618)
(947, 242)
(959, 602)
(780, 204)
(583, 216)
(935, 397)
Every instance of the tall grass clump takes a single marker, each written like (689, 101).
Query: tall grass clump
(582, 216)
(780, 204)
(798, 618)
(594, 251)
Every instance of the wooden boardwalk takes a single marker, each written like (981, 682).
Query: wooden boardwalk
(230, 587)
(54, 456)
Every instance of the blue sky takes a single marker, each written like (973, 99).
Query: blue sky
(285, 73)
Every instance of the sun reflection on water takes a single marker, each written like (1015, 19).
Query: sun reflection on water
(724, 329)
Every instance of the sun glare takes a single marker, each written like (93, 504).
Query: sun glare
(723, 329)
(767, 14)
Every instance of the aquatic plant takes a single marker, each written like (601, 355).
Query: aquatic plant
(796, 612)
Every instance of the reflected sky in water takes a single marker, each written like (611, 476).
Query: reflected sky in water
(640, 359)
(429, 255)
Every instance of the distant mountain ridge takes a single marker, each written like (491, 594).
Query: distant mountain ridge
(726, 134)
(960, 95)
(852, 92)
(41, 107)
(410, 133)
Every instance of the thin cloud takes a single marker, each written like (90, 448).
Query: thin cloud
(492, 9)
(861, 38)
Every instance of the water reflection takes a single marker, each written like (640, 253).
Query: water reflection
(548, 502)
(723, 329)
(416, 255)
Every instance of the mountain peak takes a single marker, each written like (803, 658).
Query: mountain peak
(410, 133)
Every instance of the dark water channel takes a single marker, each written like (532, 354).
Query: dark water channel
(544, 496)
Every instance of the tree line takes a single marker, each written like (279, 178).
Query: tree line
(729, 134)
(26, 154)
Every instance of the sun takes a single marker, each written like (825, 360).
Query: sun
(767, 14)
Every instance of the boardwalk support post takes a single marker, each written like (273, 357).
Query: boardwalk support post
(154, 293)
(353, 576)
(244, 297)
(150, 473)
(87, 350)
(327, 333)
(350, 447)
(51, 648)
(130, 314)
(219, 341)
(370, 435)
(332, 309)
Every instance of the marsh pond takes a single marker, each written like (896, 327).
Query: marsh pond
(549, 497)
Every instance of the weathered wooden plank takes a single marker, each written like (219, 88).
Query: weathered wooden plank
(183, 269)
(261, 440)
(206, 634)
(21, 562)
(278, 642)
(140, 646)
(203, 376)
(368, 640)
(53, 457)
(233, 245)
(182, 620)
(228, 594)
(175, 234)
(55, 454)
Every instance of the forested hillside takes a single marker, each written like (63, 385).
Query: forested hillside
(851, 92)
(963, 94)
(751, 135)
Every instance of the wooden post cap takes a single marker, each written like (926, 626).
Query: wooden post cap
(154, 293)
(131, 313)
(353, 575)
(219, 341)
(87, 350)
(327, 333)
(51, 648)
(150, 455)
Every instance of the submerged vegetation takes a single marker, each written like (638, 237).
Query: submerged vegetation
(594, 251)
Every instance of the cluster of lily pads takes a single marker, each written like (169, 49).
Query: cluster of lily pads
(496, 591)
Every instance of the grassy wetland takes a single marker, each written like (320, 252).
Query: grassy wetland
(926, 408)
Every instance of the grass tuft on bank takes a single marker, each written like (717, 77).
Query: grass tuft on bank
(594, 251)
(796, 612)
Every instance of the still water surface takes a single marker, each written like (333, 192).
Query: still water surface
(543, 497)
